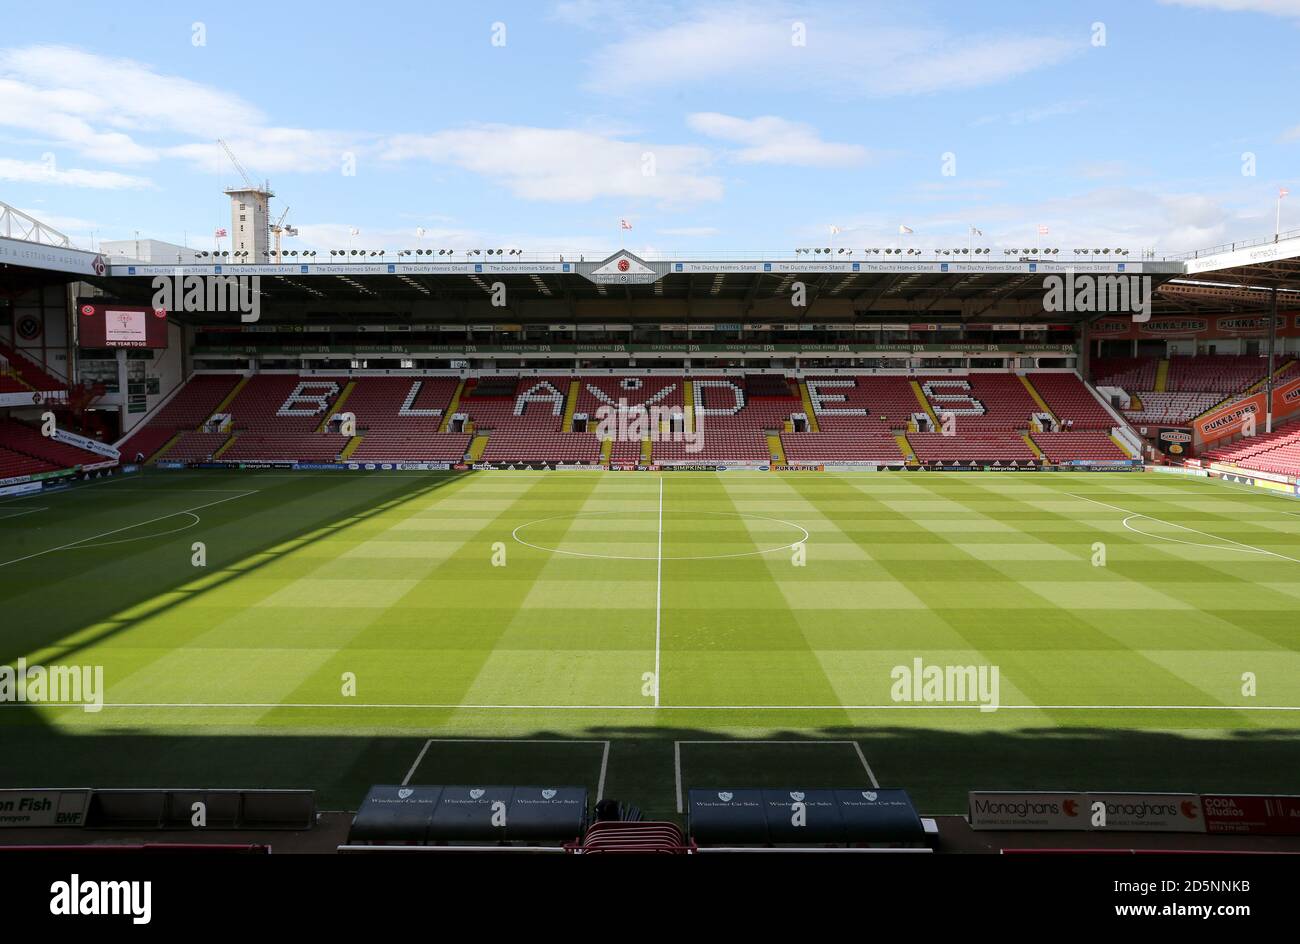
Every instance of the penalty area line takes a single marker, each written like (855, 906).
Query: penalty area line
(141, 524)
(604, 754)
(1240, 545)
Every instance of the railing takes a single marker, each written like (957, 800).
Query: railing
(1233, 246)
(29, 228)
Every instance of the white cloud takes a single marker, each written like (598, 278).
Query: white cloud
(119, 111)
(565, 165)
(36, 172)
(843, 56)
(1273, 7)
(772, 140)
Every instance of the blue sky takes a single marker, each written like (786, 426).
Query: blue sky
(711, 127)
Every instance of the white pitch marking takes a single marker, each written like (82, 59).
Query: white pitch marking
(1241, 546)
(677, 757)
(604, 754)
(93, 537)
(19, 514)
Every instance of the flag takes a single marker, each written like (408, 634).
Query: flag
(976, 232)
(220, 234)
(353, 231)
(1282, 192)
(624, 224)
(419, 232)
(905, 230)
(834, 230)
(1042, 231)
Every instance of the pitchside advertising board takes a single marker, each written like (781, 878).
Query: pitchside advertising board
(111, 326)
(1137, 812)
(22, 809)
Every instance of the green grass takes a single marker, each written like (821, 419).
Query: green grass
(1122, 676)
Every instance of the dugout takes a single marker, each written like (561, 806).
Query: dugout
(465, 815)
(822, 817)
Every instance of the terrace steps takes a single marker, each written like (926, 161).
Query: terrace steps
(165, 446)
(925, 404)
(1162, 375)
(230, 398)
(225, 445)
(1123, 447)
(570, 406)
(606, 449)
(905, 448)
(647, 447)
(688, 405)
(774, 446)
(806, 397)
(451, 407)
(477, 446)
(1038, 398)
(338, 405)
(351, 447)
(1033, 446)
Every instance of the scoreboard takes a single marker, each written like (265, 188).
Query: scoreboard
(113, 326)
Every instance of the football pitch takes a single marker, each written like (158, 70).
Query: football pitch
(641, 633)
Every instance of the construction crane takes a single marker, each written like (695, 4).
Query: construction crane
(259, 196)
(248, 181)
(279, 227)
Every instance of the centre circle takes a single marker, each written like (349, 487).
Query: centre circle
(519, 534)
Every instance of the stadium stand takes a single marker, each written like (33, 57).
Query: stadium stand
(529, 403)
(22, 441)
(1219, 373)
(874, 403)
(30, 374)
(1127, 373)
(187, 410)
(392, 446)
(282, 403)
(1071, 401)
(1277, 452)
(971, 447)
(193, 446)
(14, 464)
(528, 445)
(1171, 409)
(285, 447)
(399, 404)
(841, 446)
(1086, 444)
(1192, 384)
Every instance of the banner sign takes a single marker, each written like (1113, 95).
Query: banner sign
(1120, 812)
(22, 809)
(1028, 811)
(1231, 419)
(1252, 815)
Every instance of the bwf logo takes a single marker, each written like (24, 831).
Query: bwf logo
(210, 293)
(1106, 294)
(75, 897)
